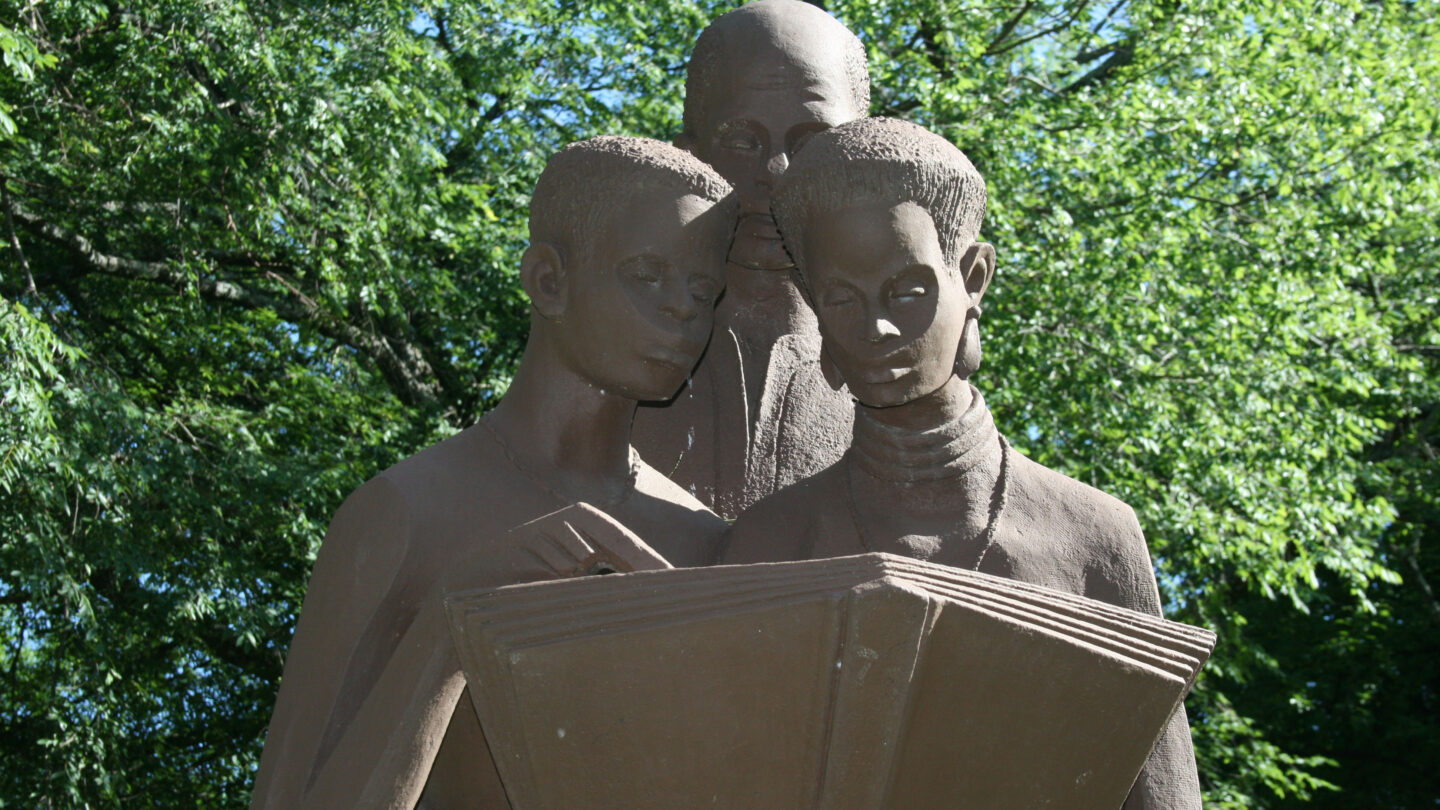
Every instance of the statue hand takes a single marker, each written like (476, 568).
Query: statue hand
(580, 540)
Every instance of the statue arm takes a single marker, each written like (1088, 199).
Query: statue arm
(383, 758)
(346, 673)
(1169, 780)
(373, 676)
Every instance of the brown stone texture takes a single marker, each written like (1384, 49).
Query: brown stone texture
(759, 415)
(881, 217)
(863, 682)
(372, 711)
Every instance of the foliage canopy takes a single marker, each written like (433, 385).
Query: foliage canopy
(254, 252)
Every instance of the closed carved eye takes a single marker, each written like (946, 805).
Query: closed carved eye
(739, 138)
(642, 269)
(746, 143)
(838, 296)
(909, 291)
(703, 289)
(912, 284)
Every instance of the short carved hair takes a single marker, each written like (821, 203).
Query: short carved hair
(708, 59)
(881, 160)
(585, 184)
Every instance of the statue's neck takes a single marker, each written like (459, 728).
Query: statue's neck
(565, 429)
(926, 470)
(760, 306)
(938, 437)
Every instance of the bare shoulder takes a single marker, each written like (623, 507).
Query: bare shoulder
(431, 475)
(781, 526)
(359, 563)
(378, 516)
(367, 538)
(1069, 535)
(396, 532)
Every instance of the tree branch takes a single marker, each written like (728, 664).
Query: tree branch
(933, 52)
(1060, 26)
(1121, 55)
(1009, 27)
(1412, 558)
(401, 364)
(15, 240)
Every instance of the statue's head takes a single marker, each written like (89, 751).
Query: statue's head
(627, 255)
(881, 216)
(763, 79)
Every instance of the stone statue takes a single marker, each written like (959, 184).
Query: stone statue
(628, 242)
(882, 217)
(758, 415)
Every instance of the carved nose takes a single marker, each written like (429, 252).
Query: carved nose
(681, 314)
(880, 328)
(679, 304)
(777, 164)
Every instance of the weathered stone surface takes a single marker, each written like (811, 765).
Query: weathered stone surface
(853, 683)
(372, 711)
(881, 217)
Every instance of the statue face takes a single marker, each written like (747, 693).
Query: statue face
(640, 307)
(889, 311)
(770, 102)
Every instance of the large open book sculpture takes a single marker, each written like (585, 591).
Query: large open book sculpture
(857, 682)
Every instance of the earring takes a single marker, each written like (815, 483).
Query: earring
(967, 354)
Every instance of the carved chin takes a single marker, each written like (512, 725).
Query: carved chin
(759, 254)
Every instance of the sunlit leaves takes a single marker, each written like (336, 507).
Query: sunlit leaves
(1216, 299)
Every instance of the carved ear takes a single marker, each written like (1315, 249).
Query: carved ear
(977, 268)
(967, 355)
(542, 274)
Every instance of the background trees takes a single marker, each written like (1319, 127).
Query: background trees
(254, 252)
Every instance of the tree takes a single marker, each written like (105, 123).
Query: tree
(257, 251)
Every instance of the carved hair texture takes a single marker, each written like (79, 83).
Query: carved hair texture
(587, 182)
(778, 21)
(882, 160)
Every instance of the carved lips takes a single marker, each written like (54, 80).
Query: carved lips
(757, 244)
(758, 226)
(891, 367)
(682, 356)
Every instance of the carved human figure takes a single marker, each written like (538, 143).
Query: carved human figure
(757, 414)
(881, 217)
(628, 239)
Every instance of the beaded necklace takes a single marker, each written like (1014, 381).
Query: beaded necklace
(998, 498)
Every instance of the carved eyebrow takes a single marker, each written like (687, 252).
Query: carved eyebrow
(734, 124)
(645, 258)
(914, 271)
(810, 95)
(838, 283)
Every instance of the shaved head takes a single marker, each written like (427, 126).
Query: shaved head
(588, 182)
(882, 160)
(810, 41)
(762, 80)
